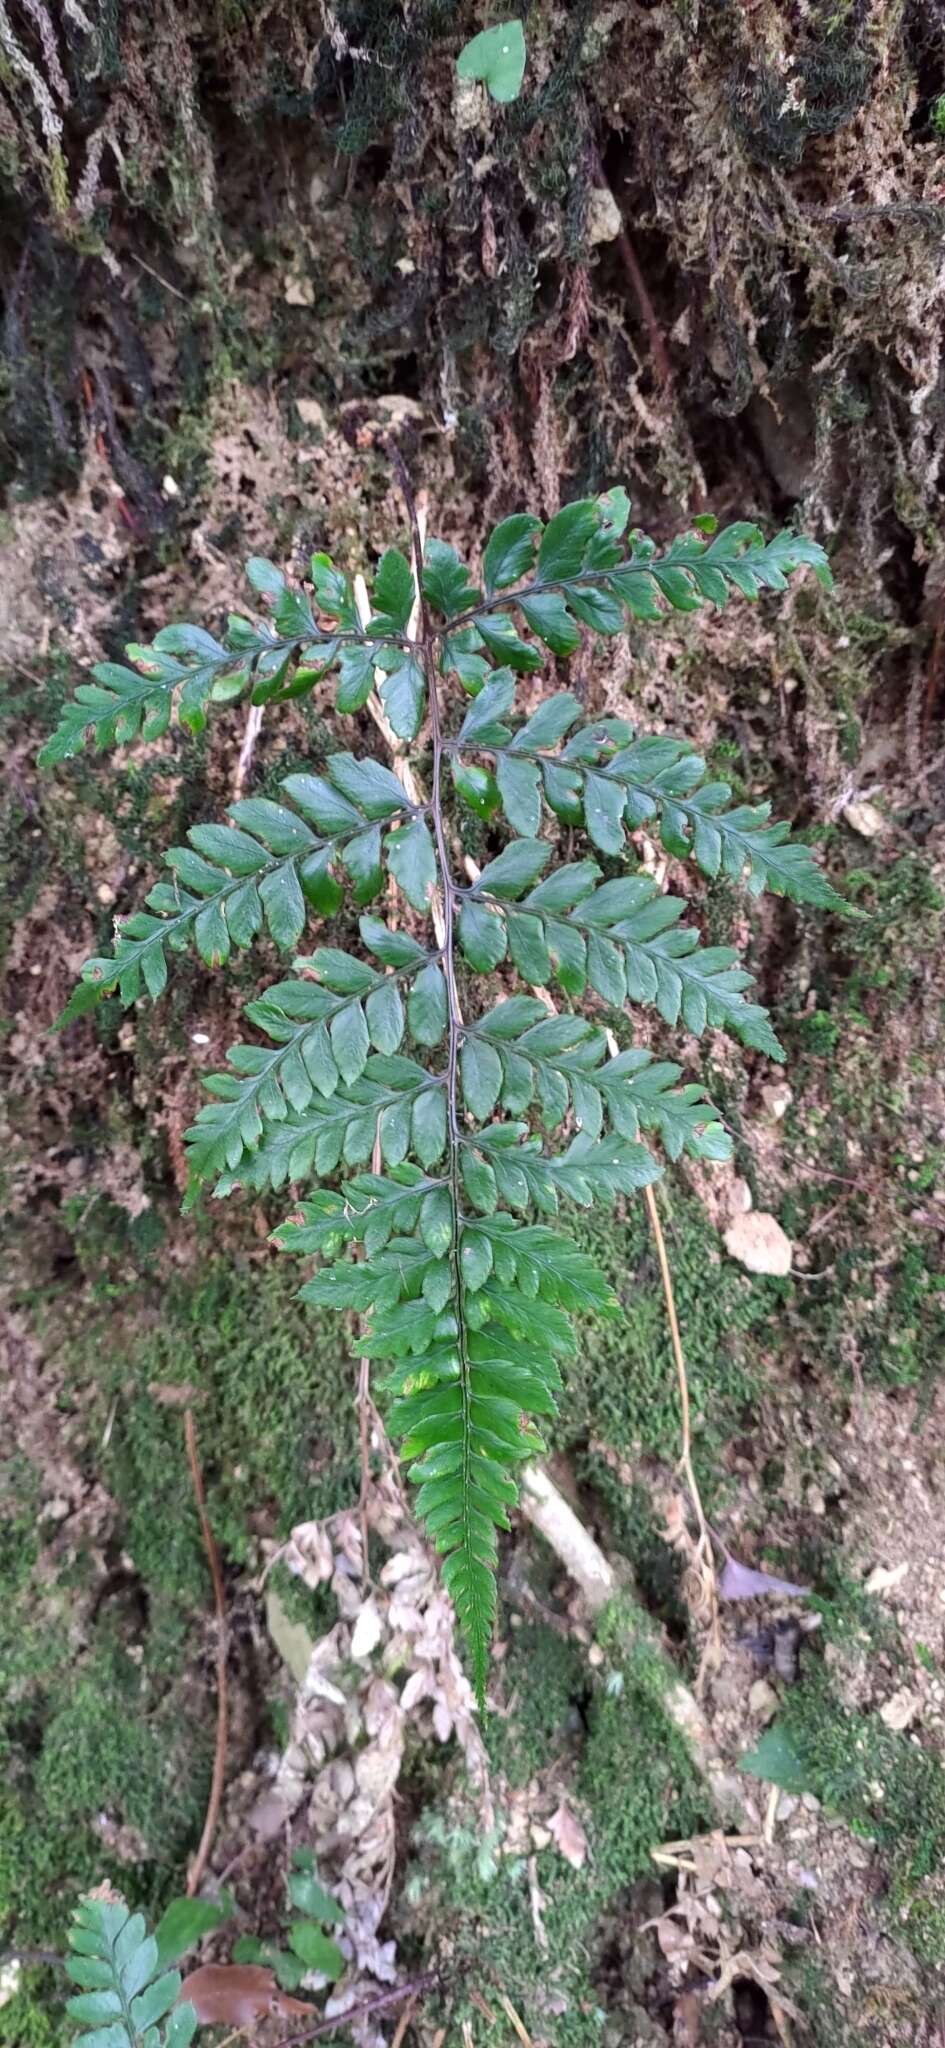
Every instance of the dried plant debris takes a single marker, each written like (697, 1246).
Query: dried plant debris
(389, 1662)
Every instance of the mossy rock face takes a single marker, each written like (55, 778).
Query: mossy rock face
(104, 1713)
(888, 1788)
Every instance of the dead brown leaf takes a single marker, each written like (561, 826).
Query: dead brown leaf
(236, 1995)
(569, 1836)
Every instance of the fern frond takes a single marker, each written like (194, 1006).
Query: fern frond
(265, 871)
(185, 669)
(622, 938)
(471, 1314)
(125, 1995)
(398, 1095)
(457, 1132)
(612, 783)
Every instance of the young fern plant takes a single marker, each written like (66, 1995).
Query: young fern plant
(448, 1162)
(125, 1993)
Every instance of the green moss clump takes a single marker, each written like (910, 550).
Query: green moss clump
(622, 1386)
(886, 1787)
(275, 1411)
(98, 1712)
(636, 1773)
(33, 2017)
(545, 1674)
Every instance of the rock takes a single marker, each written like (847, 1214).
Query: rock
(777, 1098)
(762, 1700)
(758, 1242)
(865, 819)
(299, 291)
(604, 220)
(900, 1711)
(883, 1577)
(292, 1641)
(311, 414)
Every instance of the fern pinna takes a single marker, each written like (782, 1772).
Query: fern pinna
(438, 1156)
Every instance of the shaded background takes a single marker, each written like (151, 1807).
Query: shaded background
(703, 255)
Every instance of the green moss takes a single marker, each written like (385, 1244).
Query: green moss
(634, 1745)
(274, 1406)
(886, 1787)
(33, 2018)
(622, 1386)
(85, 1734)
(99, 1714)
(545, 1675)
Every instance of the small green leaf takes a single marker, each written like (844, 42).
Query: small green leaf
(549, 618)
(426, 1006)
(446, 582)
(152, 2004)
(412, 862)
(428, 1126)
(375, 789)
(266, 579)
(481, 1073)
(181, 2027)
(361, 856)
(603, 810)
(515, 869)
(311, 1898)
(183, 1923)
(482, 936)
(356, 668)
(393, 593)
(315, 1950)
(403, 694)
(519, 785)
(496, 58)
(384, 1011)
(475, 1259)
(565, 538)
(775, 1759)
(436, 1222)
(499, 634)
(510, 551)
(393, 949)
(350, 1042)
(477, 787)
(90, 2006)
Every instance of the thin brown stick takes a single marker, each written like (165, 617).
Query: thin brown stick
(404, 2022)
(704, 1556)
(415, 1989)
(199, 1863)
(659, 352)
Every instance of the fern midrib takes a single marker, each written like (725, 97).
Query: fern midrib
(455, 1033)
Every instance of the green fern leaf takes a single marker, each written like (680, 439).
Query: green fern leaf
(123, 1998)
(266, 871)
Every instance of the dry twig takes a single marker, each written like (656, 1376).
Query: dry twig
(199, 1863)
